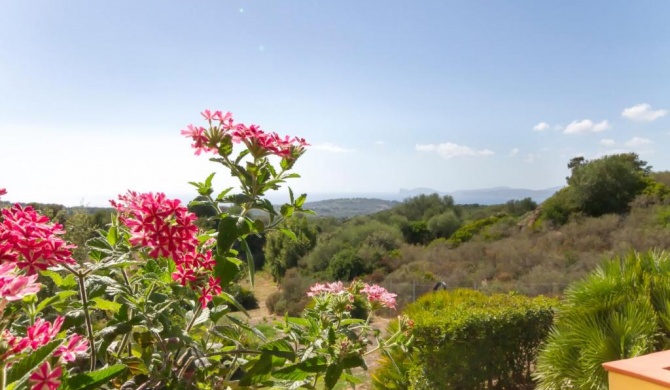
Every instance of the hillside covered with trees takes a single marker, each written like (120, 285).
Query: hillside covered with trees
(610, 205)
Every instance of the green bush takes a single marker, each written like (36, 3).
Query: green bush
(468, 340)
(621, 310)
(470, 229)
(243, 296)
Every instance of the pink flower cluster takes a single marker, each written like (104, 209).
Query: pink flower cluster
(257, 141)
(37, 335)
(163, 225)
(31, 241)
(167, 229)
(375, 294)
(378, 294)
(327, 288)
(13, 286)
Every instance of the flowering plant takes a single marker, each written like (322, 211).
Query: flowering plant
(149, 307)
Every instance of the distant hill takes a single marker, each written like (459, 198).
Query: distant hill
(349, 207)
(484, 196)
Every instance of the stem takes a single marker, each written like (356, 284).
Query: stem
(87, 317)
(196, 314)
(3, 376)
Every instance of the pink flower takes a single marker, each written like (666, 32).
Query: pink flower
(3, 191)
(44, 378)
(259, 143)
(68, 352)
(14, 287)
(378, 294)
(160, 224)
(212, 288)
(183, 275)
(328, 288)
(15, 344)
(41, 332)
(31, 241)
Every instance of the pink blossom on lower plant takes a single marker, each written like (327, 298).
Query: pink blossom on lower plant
(3, 191)
(41, 332)
(327, 288)
(76, 345)
(378, 294)
(44, 378)
(13, 286)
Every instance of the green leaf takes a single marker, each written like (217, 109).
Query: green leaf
(241, 156)
(287, 210)
(55, 276)
(302, 370)
(300, 201)
(227, 297)
(290, 195)
(227, 234)
(49, 301)
(288, 233)
(352, 379)
(281, 348)
(103, 304)
(250, 261)
(223, 193)
(93, 379)
(19, 372)
(353, 361)
(261, 368)
(225, 270)
(202, 318)
(113, 235)
(333, 374)
(208, 181)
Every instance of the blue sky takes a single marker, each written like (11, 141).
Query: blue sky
(392, 94)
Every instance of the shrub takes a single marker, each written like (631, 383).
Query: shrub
(243, 296)
(467, 340)
(469, 230)
(620, 311)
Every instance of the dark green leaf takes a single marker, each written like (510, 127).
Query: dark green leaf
(261, 368)
(19, 372)
(225, 270)
(333, 374)
(93, 380)
(281, 348)
(353, 361)
(250, 260)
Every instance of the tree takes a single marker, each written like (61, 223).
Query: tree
(608, 184)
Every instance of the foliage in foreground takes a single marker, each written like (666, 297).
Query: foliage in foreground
(149, 304)
(621, 310)
(464, 339)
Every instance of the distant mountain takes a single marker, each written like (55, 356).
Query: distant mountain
(349, 207)
(484, 196)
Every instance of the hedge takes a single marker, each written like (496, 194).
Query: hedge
(468, 340)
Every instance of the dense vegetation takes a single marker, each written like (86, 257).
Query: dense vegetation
(610, 206)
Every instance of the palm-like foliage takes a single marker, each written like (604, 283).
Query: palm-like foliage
(620, 311)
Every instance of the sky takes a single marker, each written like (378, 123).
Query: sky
(391, 94)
